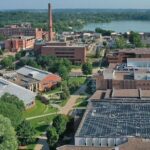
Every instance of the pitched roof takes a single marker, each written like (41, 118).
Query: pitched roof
(33, 72)
(23, 94)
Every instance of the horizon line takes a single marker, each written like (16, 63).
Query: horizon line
(78, 8)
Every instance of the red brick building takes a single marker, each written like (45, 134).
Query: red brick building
(121, 56)
(115, 79)
(18, 43)
(76, 54)
(21, 31)
(35, 79)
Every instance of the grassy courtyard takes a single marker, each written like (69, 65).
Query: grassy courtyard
(41, 124)
(80, 80)
(39, 109)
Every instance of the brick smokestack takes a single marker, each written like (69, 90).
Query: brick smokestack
(50, 36)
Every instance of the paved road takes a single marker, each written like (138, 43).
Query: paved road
(72, 101)
(42, 143)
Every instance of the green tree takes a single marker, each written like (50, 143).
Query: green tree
(32, 63)
(104, 44)
(2, 38)
(121, 43)
(11, 99)
(103, 32)
(7, 61)
(91, 86)
(98, 52)
(63, 72)
(52, 136)
(1, 52)
(12, 112)
(18, 56)
(87, 68)
(60, 123)
(73, 86)
(65, 91)
(8, 140)
(135, 39)
(25, 133)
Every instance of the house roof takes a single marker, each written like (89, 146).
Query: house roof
(23, 94)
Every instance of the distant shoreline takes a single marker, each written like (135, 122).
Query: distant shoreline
(72, 9)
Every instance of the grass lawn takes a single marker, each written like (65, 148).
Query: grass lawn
(76, 66)
(31, 146)
(41, 124)
(63, 103)
(39, 109)
(57, 89)
(80, 80)
(81, 102)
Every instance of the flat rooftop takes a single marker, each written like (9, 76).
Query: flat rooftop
(71, 147)
(121, 94)
(136, 50)
(115, 120)
(132, 144)
(23, 37)
(136, 144)
(71, 46)
(138, 59)
(97, 95)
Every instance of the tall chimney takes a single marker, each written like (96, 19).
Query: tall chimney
(50, 36)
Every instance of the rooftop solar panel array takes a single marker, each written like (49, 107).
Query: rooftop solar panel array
(112, 120)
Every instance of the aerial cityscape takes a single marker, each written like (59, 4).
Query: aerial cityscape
(75, 75)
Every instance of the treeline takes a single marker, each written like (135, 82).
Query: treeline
(65, 20)
(15, 130)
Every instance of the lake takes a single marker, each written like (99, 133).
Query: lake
(121, 26)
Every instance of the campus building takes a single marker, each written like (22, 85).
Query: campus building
(34, 79)
(16, 30)
(27, 96)
(17, 43)
(131, 75)
(114, 117)
(75, 53)
(121, 56)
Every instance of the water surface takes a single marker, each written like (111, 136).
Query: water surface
(121, 26)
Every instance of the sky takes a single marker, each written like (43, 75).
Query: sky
(42, 4)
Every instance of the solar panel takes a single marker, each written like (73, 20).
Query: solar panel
(115, 119)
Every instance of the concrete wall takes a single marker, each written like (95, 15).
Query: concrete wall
(100, 142)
